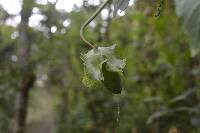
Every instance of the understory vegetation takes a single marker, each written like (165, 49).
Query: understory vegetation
(44, 86)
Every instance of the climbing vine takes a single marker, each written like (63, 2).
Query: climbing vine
(101, 66)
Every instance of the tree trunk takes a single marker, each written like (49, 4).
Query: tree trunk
(27, 77)
(22, 103)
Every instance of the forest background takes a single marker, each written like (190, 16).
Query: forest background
(41, 89)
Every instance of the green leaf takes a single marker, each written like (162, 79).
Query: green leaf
(90, 83)
(112, 80)
(114, 64)
(189, 11)
(92, 62)
(95, 61)
(120, 5)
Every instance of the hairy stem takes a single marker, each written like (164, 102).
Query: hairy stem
(89, 21)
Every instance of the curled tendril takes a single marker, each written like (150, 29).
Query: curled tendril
(89, 21)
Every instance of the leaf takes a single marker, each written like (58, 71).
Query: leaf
(114, 64)
(94, 59)
(183, 96)
(88, 82)
(189, 11)
(102, 65)
(92, 62)
(156, 116)
(120, 5)
(163, 113)
(112, 80)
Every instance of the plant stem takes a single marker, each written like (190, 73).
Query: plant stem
(89, 21)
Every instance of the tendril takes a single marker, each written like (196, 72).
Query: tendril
(89, 21)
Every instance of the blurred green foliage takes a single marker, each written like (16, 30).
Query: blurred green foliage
(161, 78)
